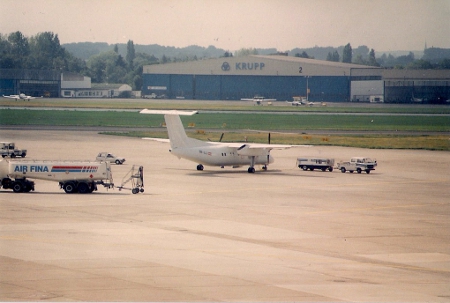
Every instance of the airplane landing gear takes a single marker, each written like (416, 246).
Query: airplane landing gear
(251, 169)
(200, 167)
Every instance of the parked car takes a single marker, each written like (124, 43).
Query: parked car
(108, 157)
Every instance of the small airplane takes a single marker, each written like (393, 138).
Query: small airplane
(21, 97)
(299, 101)
(416, 100)
(295, 103)
(258, 100)
(212, 153)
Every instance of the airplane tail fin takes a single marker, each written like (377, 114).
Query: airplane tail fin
(175, 129)
(177, 134)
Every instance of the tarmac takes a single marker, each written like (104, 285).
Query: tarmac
(226, 235)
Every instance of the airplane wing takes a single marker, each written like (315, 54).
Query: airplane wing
(157, 139)
(247, 99)
(168, 112)
(254, 146)
(11, 96)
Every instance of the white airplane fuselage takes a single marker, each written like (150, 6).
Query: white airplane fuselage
(220, 155)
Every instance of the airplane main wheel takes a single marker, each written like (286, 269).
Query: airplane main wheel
(251, 170)
(199, 167)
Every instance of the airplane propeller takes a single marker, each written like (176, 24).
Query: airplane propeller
(221, 137)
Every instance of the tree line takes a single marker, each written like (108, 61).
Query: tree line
(434, 58)
(44, 51)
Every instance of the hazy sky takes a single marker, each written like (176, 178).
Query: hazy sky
(385, 25)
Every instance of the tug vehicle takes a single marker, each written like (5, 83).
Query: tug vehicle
(358, 164)
(8, 149)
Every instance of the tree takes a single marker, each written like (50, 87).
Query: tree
(372, 59)
(46, 52)
(405, 60)
(444, 64)
(245, 52)
(131, 54)
(359, 60)
(19, 44)
(333, 56)
(420, 64)
(347, 54)
(303, 55)
(228, 54)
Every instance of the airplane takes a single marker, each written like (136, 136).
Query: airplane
(21, 97)
(258, 100)
(417, 100)
(212, 153)
(295, 103)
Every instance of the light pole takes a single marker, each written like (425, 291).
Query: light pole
(307, 88)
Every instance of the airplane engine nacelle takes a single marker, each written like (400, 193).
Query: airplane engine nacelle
(245, 150)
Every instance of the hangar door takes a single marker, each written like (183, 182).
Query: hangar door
(362, 91)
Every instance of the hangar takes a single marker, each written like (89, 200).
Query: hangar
(54, 84)
(31, 82)
(276, 77)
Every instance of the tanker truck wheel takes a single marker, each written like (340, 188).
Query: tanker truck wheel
(69, 187)
(17, 187)
(83, 188)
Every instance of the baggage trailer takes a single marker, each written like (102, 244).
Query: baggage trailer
(313, 163)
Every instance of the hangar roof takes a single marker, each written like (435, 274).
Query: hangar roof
(257, 65)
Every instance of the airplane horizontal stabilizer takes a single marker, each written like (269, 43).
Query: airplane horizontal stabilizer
(168, 112)
(157, 139)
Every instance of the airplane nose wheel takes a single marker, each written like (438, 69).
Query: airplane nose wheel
(199, 167)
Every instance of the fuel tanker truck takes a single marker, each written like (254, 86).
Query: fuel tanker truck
(73, 176)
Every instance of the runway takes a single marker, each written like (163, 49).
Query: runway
(226, 235)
